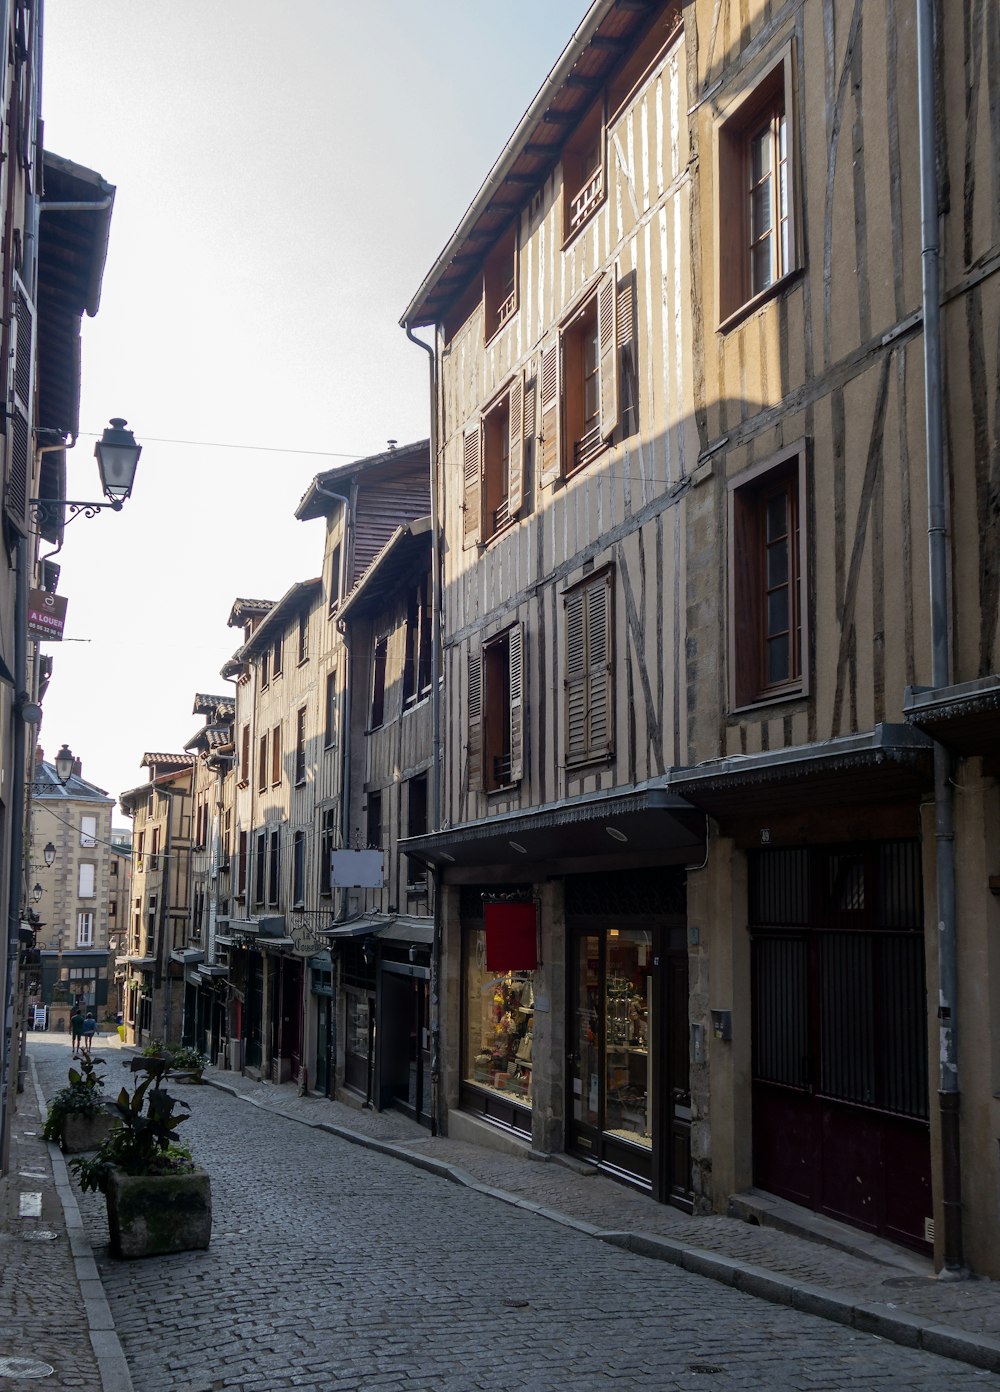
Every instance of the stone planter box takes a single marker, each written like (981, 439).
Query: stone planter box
(80, 1132)
(151, 1215)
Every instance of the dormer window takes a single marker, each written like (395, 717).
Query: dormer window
(584, 159)
(500, 282)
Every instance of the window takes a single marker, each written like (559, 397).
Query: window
(274, 869)
(265, 668)
(589, 679)
(241, 866)
(139, 844)
(583, 163)
(245, 756)
(417, 665)
(767, 580)
(335, 580)
(154, 850)
(113, 868)
(227, 838)
(585, 372)
(496, 731)
(493, 466)
(303, 640)
(88, 831)
(756, 209)
(378, 682)
(500, 281)
(260, 867)
(330, 709)
(197, 914)
(276, 655)
(85, 929)
(416, 825)
(112, 909)
(300, 745)
(326, 845)
(262, 764)
(151, 906)
(276, 755)
(299, 869)
(373, 833)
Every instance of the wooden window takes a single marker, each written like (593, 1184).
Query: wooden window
(276, 755)
(244, 756)
(335, 581)
(299, 869)
(87, 882)
(274, 868)
(303, 640)
(85, 929)
(262, 764)
(756, 192)
(767, 581)
(330, 708)
(417, 663)
(589, 667)
(328, 824)
(265, 668)
(88, 830)
(139, 844)
(227, 839)
(416, 825)
(260, 867)
(300, 745)
(500, 282)
(494, 466)
(378, 682)
(154, 850)
(242, 855)
(584, 162)
(276, 656)
(496, 711)
(374, 820)
(20, 405)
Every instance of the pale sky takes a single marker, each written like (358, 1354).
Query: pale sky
(286, 175)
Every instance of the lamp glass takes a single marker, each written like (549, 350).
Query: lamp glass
(64, 764)
(49, 853)
(36, 893)
(117, 456)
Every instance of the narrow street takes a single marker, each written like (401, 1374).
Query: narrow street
(332, 1267)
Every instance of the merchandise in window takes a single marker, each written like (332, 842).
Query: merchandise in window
(499, 1009)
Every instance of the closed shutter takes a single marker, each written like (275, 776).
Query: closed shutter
(20, 394)
(607, 334)
(472, 473)
(627, 351)
(549, 411)
(475, 705)
(599, 675)
(515, 472)
(576, 677)
(515, 657)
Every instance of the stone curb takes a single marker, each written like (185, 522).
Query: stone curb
(111, 1363)
(911, 1331)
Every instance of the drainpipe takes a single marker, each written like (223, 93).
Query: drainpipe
(937, 539)
(435, 807)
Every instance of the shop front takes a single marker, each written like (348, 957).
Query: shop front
(497, 1030)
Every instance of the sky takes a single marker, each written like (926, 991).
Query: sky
(286, 175)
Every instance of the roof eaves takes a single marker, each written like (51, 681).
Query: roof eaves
(314, 504)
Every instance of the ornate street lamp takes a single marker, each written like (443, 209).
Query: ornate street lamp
(50, 854)
(117, 457)
(64, 764)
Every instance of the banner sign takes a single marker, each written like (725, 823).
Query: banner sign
(357, 869)
(46, 615)
(511, 937)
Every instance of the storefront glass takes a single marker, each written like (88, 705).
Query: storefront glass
(499, 1012)
(613, 1033)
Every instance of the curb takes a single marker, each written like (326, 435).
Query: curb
(911, 1331)
(111, 1363)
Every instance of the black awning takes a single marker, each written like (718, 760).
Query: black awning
(964, 718)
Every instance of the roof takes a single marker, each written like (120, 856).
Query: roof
(314, 504)
(172, 761)
(245, 609)
(45, 784)
(390, 571)
(212, 705)
(606, 33)
(211, 737)
(299, 597)
(134, 795)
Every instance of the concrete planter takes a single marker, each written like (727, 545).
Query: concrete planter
(80, 1132)
(151, 1215)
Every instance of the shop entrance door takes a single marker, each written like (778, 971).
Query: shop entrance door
(254, 1012)
(404, 1053)
(324, 1041)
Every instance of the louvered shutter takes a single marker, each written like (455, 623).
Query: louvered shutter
(607, 334)
(515, 474)
(576, 677)
(599, 676)
(515, 657)
(20, 393)
(549, 412)
(472, 475)
(475, 730)
(628, 405)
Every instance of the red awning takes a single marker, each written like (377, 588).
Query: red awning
(511, 937)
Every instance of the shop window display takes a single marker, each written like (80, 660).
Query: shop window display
(499, 1018)
(614, 999)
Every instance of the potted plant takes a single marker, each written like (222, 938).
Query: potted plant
(158, 1200)
(78, 1117)
(187, 1063)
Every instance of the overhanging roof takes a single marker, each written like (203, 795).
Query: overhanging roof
(965, 718)
(389, 569)
(313, 502)
(292, 602)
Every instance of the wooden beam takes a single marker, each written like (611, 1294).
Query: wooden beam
(560, 118)
(601, 41)
(540, 151)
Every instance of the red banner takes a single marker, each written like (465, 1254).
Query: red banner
(511, 937)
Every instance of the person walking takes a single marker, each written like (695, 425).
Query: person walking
(76, 1028)
(89, 1030)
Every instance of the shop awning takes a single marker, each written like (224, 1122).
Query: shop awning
(405, 928)
(965, 718)
(139, 963)
(188, 956)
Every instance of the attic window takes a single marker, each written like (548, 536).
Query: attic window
(500, 282)
(583, 161)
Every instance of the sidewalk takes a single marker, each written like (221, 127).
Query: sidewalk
(784, 1254)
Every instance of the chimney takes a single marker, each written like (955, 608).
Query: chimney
(39, 756)
(77, 768)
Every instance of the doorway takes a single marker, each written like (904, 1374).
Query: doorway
(404, 1040)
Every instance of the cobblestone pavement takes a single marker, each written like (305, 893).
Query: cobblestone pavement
(334, 1266)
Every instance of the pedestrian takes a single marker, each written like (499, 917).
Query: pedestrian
(89, 1030)
(76, 1028)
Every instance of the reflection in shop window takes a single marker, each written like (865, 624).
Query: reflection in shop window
(499, 1021)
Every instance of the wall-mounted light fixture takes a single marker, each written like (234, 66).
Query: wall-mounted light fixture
(117, 457)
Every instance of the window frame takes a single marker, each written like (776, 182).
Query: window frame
(493, 478)
(501, 296)
(262, 761)
(784, 472)
(85, 918)
(585, 183)
(589, 669)
(376, 707)
(275, 756)
(303, 638)
(300, 746)
(299, 869)
(88, 838)
(496, 703)
(330, 711)
(739, 120)
(274, 868)
(327, 837)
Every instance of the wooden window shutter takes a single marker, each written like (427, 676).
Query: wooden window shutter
(20, 392)
(515, 658)
(475, 707)
(599, 676)
(549, 412)
(472, 475)
(515, 474)
(607, 335)
(627, 354)
(576, 677)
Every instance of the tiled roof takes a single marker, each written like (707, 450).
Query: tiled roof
(210, 705)
(244, 609)
(179, 760)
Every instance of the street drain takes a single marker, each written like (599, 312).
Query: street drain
(704, 1368)
(24, 1368)
(42, 1235)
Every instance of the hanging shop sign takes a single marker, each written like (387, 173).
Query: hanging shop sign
(511, 937)
(357, 869)
(46, 615)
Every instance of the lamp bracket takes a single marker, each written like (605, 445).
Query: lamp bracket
(48, 509)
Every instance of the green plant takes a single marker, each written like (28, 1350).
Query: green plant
(183, 1058)
(83, 1095)
(144, 1141)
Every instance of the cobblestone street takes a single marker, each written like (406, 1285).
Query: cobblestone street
(332, 1266)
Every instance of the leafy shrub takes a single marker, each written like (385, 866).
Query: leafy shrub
(145, 1140)
(83, 1095)
(183, 1059)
